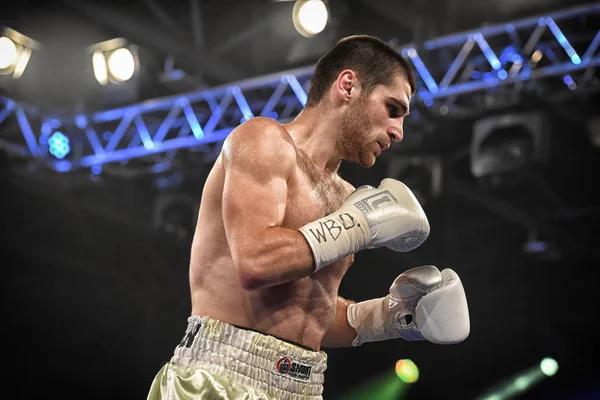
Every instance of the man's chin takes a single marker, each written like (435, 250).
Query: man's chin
(367, 163)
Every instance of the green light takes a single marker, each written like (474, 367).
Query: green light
(386, 386)
(492, 397)
(407, 371)
(522, 382)
(549, 366)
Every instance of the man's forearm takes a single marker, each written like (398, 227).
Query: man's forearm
(340, 334)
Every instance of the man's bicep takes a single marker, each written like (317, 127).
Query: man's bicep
(253, 199)
(256, 185)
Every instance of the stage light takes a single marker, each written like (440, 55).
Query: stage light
(535, 245)
(521, 382)
(22, 63)
(114, 61)
(8, 53)
(309, 17)
(508, 144)
(116, 80)
(390, 385)
(121, 64)
(58, 145)
(549, 366)
(100, 68)
(15, 52)
(407, 371)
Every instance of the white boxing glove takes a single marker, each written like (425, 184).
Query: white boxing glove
(388, 215)
(423, 303)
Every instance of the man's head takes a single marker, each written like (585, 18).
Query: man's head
(371, 85)
(373, 61)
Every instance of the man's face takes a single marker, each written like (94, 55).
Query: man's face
(371, 123)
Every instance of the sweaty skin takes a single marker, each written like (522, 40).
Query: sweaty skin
(249, 265)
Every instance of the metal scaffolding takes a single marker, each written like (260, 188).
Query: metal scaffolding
(449, 71)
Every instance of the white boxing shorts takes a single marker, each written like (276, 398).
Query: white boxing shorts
(216, 360)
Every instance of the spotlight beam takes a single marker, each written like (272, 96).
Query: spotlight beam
(397, 12)
(241, 36)
(521, 382)
(158, 12)
(146, 35)
(196, 14)
(246, 33)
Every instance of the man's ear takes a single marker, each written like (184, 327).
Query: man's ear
(346, 84)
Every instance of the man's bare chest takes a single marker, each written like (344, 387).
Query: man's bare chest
(311, 197)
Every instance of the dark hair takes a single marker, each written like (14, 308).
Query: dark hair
(374, 62)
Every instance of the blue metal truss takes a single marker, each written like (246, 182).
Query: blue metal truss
(563, 44)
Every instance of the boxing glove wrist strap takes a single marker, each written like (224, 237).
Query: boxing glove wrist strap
(336, 236)
(370, 319)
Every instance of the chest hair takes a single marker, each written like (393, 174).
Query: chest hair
(330, 191)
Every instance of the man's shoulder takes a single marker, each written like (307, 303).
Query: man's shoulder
(261, 137)
(261, 130)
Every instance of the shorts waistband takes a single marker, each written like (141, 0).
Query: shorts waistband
(275, 336)
(277, 367)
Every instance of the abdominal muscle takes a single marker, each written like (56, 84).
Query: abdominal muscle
(300, 311)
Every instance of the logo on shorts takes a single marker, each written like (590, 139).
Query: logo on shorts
(283, 365)
(293, 369)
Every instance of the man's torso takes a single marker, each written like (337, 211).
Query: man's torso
(300, 311)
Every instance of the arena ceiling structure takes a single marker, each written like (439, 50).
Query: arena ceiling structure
(101, 180)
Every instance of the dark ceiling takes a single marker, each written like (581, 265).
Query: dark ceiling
(215, 42)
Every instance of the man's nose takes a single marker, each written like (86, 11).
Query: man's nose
(396, 133)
